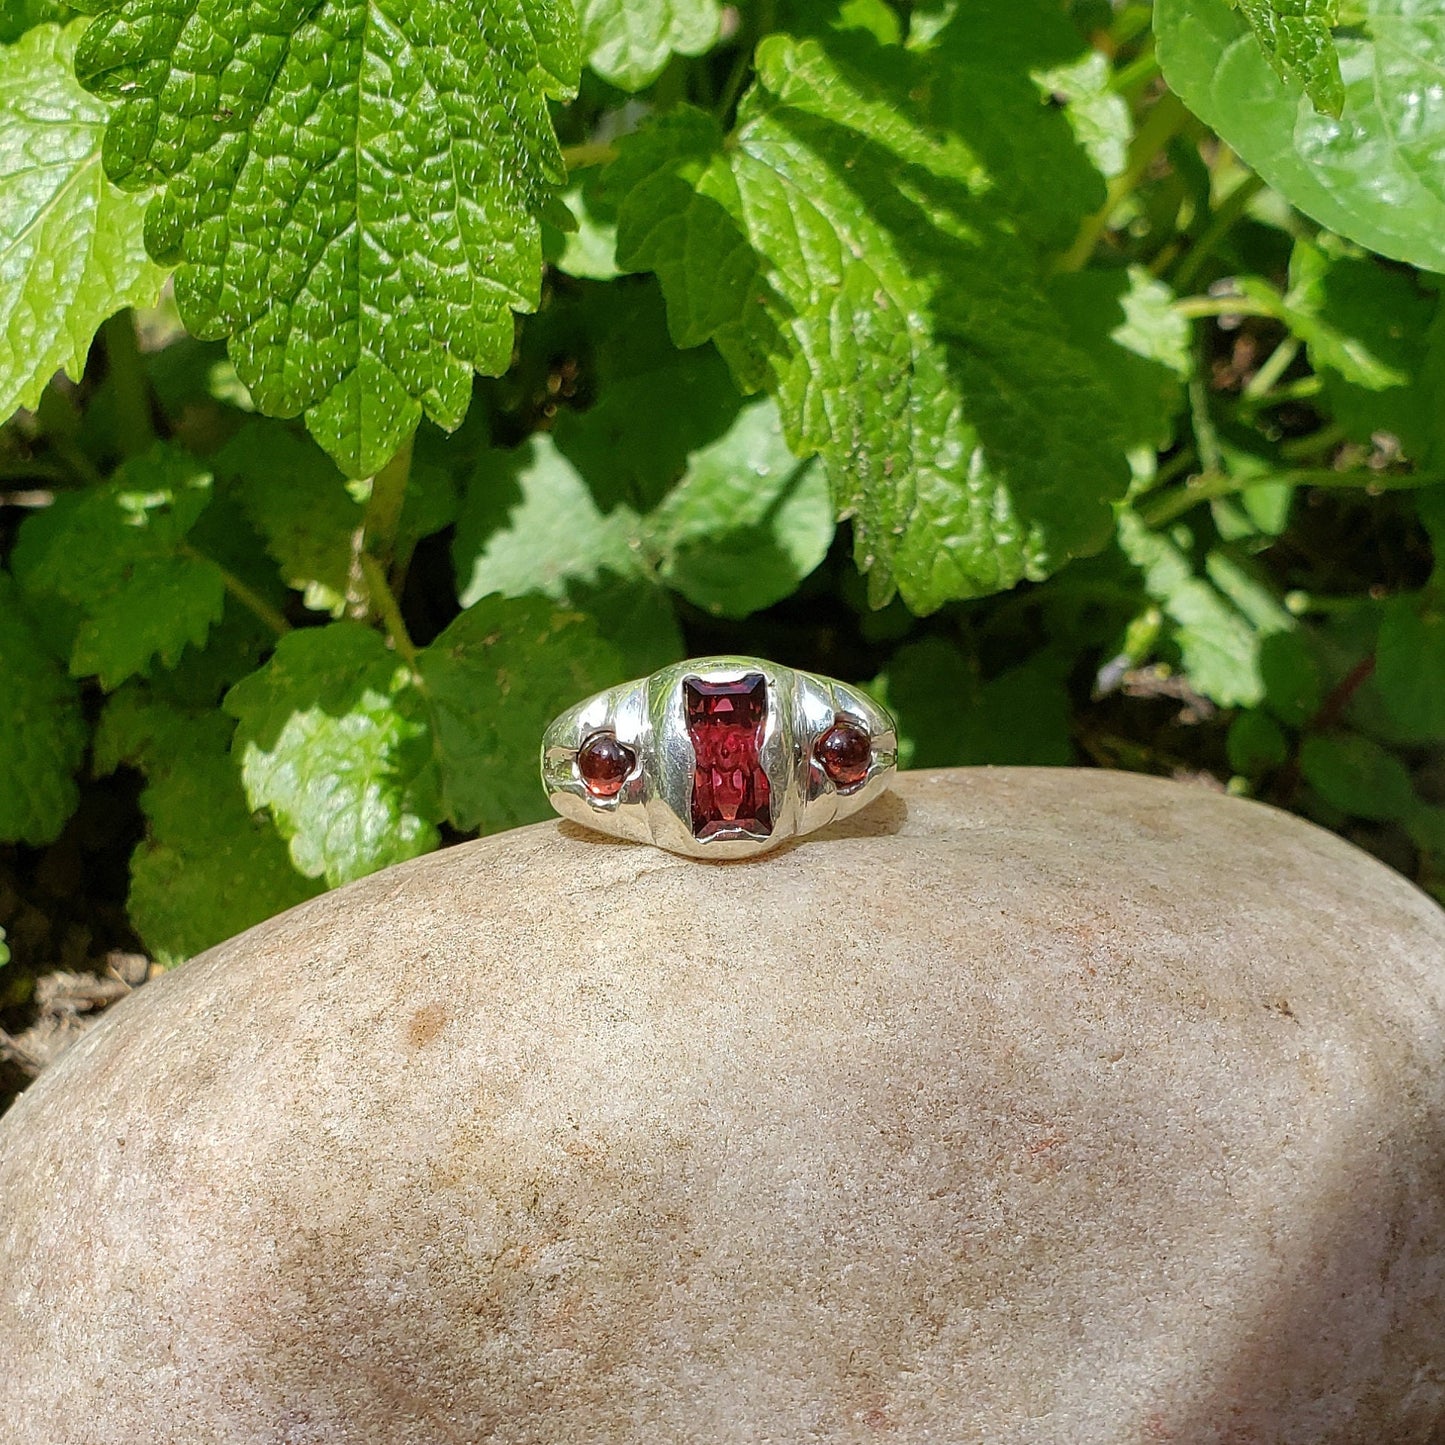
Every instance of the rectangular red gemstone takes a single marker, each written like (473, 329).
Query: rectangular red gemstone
(725, 722)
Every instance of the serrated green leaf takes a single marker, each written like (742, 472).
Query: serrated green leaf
(1410, 666)
(1097, 112)
(655, 408)
(743, 525)
(1295, 38)
(590, 251)
(1357, 776)
(1373, 174)
(530, 523)
(208, 867)
(1220, 620)
(493, 681)
(71, 251)
(1140, 343)
(867, 245)
(332, 739)
(294, 496)
(351, 191)
(42, 732)
(746, 523)
(118, 555)
(630, 41)
(18, 16)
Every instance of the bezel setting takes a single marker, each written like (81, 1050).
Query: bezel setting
(655, 801)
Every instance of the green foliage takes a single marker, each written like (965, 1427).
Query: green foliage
(630, 44)
(860, 252)
(1374, 174)
(942, 346)
(330, 738)
(70, 245)
(118, 555)
(491, 682)
(208, 867)
(364, 272)
(738, 530)
(41, 726)
(1295, 37)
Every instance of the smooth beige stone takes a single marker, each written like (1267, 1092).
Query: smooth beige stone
(1028, 1106)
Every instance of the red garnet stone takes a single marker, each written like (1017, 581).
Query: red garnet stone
(845, 751)
(725, 723)
(604, 764)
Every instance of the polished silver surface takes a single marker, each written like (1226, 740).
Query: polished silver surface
(655, 801)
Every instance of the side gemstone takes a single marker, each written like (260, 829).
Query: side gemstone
(725, 722)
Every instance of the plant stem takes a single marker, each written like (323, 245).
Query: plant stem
(1211, 486)
(369, 587)
(1228, 212)
(1206, 437)
(1165, 121)
(592, 153)
(1271, 369)
(1195, 307)
(382, 516)
(134, 429)
(246, 595)
(1316, 444)
(76, 462)
(383, 602)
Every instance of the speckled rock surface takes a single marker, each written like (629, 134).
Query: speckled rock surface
(1025, 1107)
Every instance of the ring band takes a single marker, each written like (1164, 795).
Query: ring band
(718, 757)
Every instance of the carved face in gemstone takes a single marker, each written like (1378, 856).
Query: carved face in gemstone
(731, 796)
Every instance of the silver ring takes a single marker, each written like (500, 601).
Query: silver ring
(718, 757)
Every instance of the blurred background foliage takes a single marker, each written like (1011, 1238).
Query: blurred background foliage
(1120, 444)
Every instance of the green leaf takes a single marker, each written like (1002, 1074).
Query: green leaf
(1368, 329)
(947, 718)
(118, 555)
(1220, 620)
(208, 867)
(630, 41)
(351, 192)
(294, 496)
(746, 523)
(71, 251)
(1255, 743)
(332, 739)
(591, 250)
(529, 523)
(1410, 666)
(493, 681)
(1348, 310)
(1139, 342)
(1295, 38)
(868, 245)
(1357, 776)
(42, 732)
(1097, 112)
(18, 16)
(4, 949)
(635, 618)
(656, 407)
(1373, 174)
